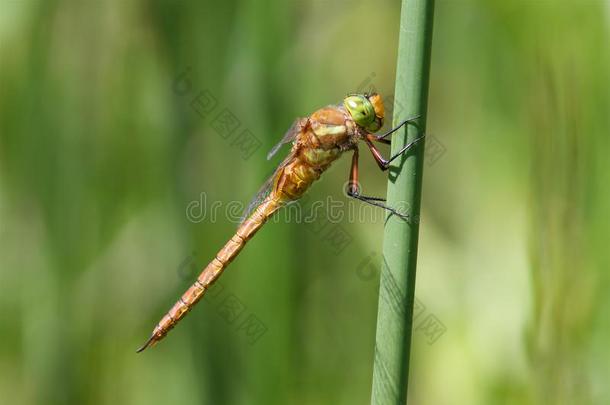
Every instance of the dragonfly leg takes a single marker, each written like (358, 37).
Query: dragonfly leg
(381, 161)
(381, 140)
(391, 131)
(352, 185)
(377, 202)
(353, 190)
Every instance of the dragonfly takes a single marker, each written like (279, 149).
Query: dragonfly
(317, 141)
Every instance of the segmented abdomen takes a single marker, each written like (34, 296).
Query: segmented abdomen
(215, 268)
(291, 182)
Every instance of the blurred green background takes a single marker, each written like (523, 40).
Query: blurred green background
(105, 146)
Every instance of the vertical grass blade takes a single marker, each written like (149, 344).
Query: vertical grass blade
(397, 286)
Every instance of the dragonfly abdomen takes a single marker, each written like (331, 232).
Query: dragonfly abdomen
(214, 269)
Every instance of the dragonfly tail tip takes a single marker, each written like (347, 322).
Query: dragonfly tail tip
(148, 343)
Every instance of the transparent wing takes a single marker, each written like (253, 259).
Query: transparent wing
(288, 137)
(260, 196)
(265, 189)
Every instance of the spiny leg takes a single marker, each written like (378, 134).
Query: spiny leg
(384, 141)
(371, 201)
(381, 162)
(396, 128)
(353, 190)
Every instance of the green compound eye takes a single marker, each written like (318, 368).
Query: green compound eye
(361, 110)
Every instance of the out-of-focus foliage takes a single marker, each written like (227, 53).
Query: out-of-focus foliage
(105, 148)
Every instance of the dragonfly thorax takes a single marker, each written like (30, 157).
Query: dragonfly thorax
(319, 157)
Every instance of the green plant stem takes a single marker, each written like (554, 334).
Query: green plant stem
(397, 285)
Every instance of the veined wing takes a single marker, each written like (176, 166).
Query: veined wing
(265, 189)
(288, 137)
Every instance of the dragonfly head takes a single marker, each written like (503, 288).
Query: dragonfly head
(366, 110)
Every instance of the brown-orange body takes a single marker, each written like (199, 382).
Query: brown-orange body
(320, 140)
